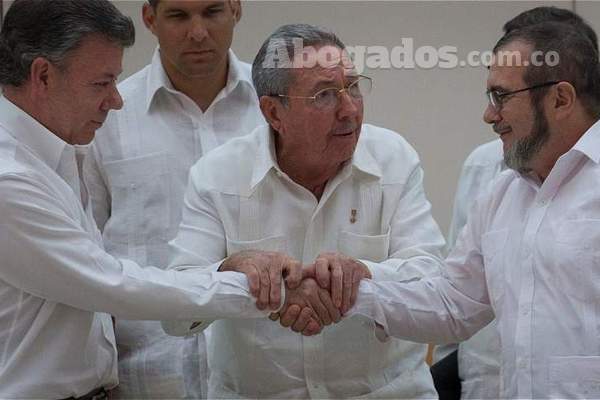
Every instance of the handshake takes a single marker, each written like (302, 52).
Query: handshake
(316, 294)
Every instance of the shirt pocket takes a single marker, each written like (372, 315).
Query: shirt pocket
(574, 377)
(492, 248)
(576, 255)
(140, 191)
(365, 247)
(272, 243)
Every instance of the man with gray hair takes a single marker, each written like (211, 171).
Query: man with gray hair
(341, 197)
(58, 286)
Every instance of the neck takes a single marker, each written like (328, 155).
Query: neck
(311, 176)
(561, 141)
(201, 89)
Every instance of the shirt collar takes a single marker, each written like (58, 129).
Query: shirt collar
(589, 143)
(266, 158)
(158, 78)
(362, 159)
(28, 131)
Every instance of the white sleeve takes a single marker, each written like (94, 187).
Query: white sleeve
(47, 254)
(442, 309)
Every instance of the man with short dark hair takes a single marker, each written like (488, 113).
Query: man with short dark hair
(477, 359)
(58, 287)
(344, 198)
(528, 254)
(194, 96)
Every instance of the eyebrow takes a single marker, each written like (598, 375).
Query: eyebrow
(498, 89)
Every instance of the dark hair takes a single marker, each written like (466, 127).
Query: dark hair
(52, 29)
(578, 60)
(153, 3)
(276, 79)
(551, 14)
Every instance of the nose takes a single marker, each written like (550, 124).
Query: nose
(113, 101)
(491, 115)
(348, 106)
(198, 29)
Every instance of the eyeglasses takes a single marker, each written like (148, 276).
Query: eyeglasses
(498, 98)
(329, 98)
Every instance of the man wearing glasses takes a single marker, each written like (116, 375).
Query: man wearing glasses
(474, 370)
(343, 198)
(528, 254)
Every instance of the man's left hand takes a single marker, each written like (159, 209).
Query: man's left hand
(341, 275)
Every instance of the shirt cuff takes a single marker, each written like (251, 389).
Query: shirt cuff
(381, 271)
(367, 306)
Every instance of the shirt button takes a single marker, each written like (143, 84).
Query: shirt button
(525, 312)
(543, 202)
(523, 363)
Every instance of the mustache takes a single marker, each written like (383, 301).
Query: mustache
(345, 128)
(500, 128)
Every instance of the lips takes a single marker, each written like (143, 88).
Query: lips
(501, 130)
(198, 52)
(346, 130)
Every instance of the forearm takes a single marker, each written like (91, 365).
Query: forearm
(426, 311)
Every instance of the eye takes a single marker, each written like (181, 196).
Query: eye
(104, 83)
(176, 15)
(354, 89)
(326, 96)
(214, 11)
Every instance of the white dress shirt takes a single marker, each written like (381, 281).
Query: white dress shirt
(57, 284)
(137, 176)
(478, 356)
(530, 252)
(239, 199)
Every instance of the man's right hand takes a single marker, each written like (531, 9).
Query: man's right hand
(265, 270)
(308, 295)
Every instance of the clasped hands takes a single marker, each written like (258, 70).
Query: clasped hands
(316, 294)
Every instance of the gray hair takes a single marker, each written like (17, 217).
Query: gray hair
(52, 29)
(275, 78)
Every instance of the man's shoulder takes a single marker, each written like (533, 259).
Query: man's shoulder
(486, 154)
(229, 167)
(9, 164)
(384, 141)
(395, 157)
(134, 85)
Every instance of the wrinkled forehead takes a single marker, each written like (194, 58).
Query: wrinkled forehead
(325, 58)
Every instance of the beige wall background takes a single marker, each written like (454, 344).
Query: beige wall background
(437, 110)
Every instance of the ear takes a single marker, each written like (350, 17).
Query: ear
(564, 100)
(272, 109)
(149, 17)
(236, 9)
(41, 74)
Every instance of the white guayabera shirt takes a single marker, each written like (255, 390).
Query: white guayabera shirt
(530, 253)
(57, 284)
(479, 356)
(137, 174)
(374, 210)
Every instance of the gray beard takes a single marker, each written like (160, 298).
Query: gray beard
(520, 154)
